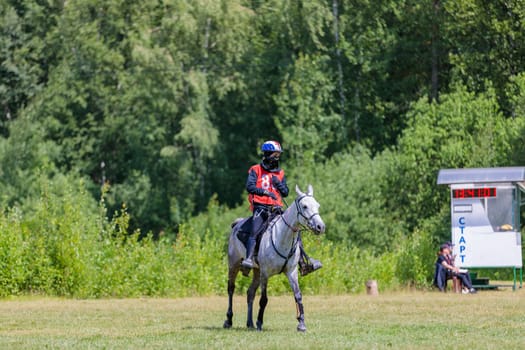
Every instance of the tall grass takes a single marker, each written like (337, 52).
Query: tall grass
(64, 244)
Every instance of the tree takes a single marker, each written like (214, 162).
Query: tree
(305, 117)
(24, 57)
(487, 43)
(464, 130)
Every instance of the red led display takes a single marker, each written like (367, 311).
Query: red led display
(484, 192)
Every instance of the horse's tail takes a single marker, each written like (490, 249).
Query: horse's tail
(235, 222)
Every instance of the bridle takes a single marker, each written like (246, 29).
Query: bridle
(301, 213)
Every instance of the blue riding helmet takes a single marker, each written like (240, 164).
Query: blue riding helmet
(271, 146)
(270, 161)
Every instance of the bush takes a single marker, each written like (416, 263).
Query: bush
(385, 218)
(65, 246)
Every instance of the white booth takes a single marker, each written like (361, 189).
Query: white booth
(485, 212)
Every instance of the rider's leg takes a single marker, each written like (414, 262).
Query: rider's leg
(306, 263)
(250, 249)
(258, 220)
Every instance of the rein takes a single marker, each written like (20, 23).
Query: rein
(290, 254)
(294, 230)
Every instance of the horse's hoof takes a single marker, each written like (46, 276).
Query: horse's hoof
(259, 326)
(301, 328)
(227, 324)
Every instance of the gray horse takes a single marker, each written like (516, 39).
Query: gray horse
(278, 252)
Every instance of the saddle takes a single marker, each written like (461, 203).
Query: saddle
(243, 229)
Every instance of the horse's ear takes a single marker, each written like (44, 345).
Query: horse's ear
(298, 191)
(310, 190)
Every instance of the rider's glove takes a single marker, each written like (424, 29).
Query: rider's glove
(270, 194)
(277, 183)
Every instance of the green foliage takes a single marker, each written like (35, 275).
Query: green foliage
(484, 41)
(171, 98)
(24, 155)
(305, 118)
(350, 189)
(516, 94)
(66, 246)
(24, 56)
(414, 259)
(164, 104)
(13, 255)
(464, 130)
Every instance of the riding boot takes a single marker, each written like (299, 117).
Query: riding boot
(250, 249)
(316, 264)
(307, 264)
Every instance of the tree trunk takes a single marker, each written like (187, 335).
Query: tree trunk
(342, 101)
(434, 90)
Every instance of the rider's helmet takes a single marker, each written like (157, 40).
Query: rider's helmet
(271, 161)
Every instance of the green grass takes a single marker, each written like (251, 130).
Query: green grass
(410, 320)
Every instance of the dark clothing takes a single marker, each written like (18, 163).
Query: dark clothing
(266, 187)
(259, 184)
(444, 258)
(440, 277)
(465, 279)
(442, 274)
(259, 218)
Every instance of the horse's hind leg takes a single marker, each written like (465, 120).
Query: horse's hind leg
(294, 283)
(232, 276)
(250, 296)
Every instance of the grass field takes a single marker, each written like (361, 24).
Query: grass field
(410, 320)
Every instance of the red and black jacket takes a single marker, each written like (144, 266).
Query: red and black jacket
(261, 180)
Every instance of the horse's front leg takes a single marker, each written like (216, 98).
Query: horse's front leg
(251, 296)
(232, 276)
(262, 302)
(294, 283)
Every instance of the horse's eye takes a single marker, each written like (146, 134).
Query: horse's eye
(305, 207)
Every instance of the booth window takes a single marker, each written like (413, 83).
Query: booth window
(502, 210)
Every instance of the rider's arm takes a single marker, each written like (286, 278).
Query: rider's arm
(251, 184)
(281, 186)
(449, 266)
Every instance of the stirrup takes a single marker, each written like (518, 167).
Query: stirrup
(248, 264)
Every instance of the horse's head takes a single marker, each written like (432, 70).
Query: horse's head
(308, 210)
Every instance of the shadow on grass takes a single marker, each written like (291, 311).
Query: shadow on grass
(222, 329)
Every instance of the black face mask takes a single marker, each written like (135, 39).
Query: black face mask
(271, 163)
(274, 162)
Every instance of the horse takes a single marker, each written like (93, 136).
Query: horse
(278, 253)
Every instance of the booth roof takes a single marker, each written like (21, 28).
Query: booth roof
(477, 175)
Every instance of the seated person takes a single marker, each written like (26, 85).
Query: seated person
(445, 270)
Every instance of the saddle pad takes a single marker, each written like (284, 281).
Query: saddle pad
(244, 228)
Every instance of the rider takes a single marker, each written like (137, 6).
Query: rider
(266, 185)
